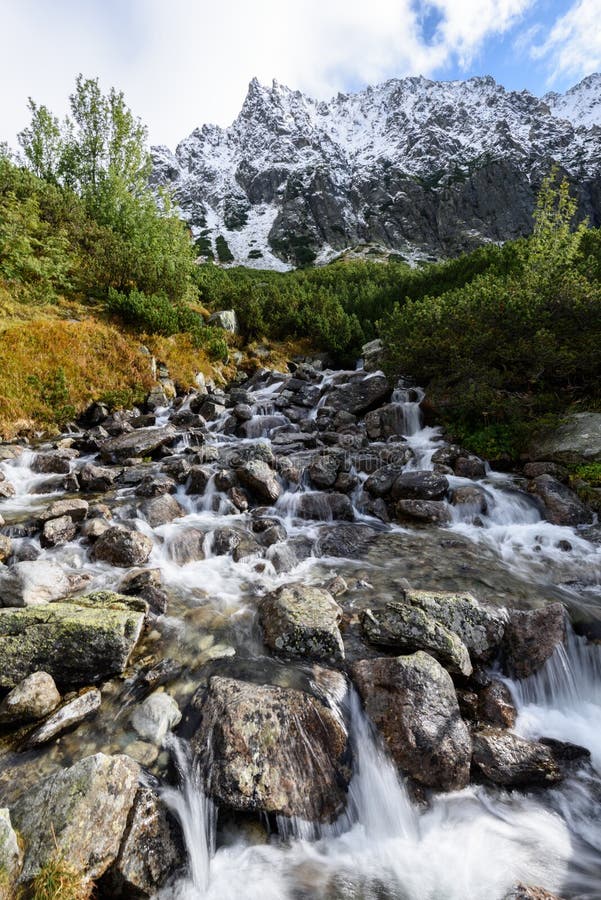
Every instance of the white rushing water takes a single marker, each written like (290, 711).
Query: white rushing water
(475, 844)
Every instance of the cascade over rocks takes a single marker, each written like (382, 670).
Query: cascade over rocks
(274, 750)
(411, 701)
(360, 393)
(562, 505)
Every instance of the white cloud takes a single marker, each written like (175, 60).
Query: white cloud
(185, 62)
(573, 47)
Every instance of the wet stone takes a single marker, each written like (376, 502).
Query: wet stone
(58, 531)
(509, 760)
(412, 702)
(67, 716)
(423, 511)
(302, 621)
(495, 706)
(122, 547)
(419, 485)
(33, 698)
(531, 637)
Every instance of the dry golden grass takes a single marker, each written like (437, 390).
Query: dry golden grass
(59, 880)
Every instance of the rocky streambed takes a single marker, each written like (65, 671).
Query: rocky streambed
(282, 641)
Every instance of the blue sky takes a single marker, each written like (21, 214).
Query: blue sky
(185, 62)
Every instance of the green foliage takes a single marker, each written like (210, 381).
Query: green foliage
(53, 392)
(591, 473)
(156, 314)
(224, 254)
(533, 330)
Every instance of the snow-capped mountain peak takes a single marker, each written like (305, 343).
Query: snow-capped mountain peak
(419, 167)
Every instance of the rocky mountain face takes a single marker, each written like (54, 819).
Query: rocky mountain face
(413, 167)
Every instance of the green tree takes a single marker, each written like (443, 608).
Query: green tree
(42, 143)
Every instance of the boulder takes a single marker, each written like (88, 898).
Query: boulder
(411, 701)
(156, 485)
(471, 496)
(67, 716)
(324, 507)
(7, 489)
(36, 582)
(33, 698)
(11, 856)
(226, 319)
(157, 715)
(54, 462)
(260, 479)
(386, 422)
(531, 638)
(380, 482)
(74, 643)
(576, 441)
(275, 750)
(138, 443)
(529, 892)
(80, 813)
(360, 394)
(480, 629)
(404, 628)
(504, 758)
(302, 621)
(198, 479)
(6, 547)
(75, 509)
(469, 467)
(424, 511)
(96, 479)
(562, 505)
(419, 485)
(161, 510)
(324, 469)
(346, 541)
(58, 531)
(122, 547)
(151, 851)
(372, 354)
(495, 706)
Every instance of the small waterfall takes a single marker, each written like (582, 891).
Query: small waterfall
(197, 816)
(563, 700)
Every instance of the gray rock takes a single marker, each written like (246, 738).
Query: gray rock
(35, 582)
(157, 715)
(198, 479)
(531, 638)
(346, 541)
(530, 892)
(161, 510)
(470, 467)
(324, 507)
(419, 485)
(80, 813)
(151, 851)
(360, 394)
(96, 479)
(372, 354)
(385, 422)
(434, 512)
(404, 628)
(471, 496)
(495, 706)
(226, 319)
(76, 644)
(54, 462)
(380, 483)
(504, 758)
(11, 857)
(6, 547)
(71, 713)
(141, 442)
(58, 531)
(122, 547)
(75, 509)
(562, 505)
(302, 621)
(260, 479)
(411, 701)
(275, 750)
(480, 629)
(324, 469)
(33, 698)
(576, 441)
(7, 489)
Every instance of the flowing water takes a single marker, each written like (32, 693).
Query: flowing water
(475, 844)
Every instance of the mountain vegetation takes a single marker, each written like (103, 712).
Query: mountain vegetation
(93, 262)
